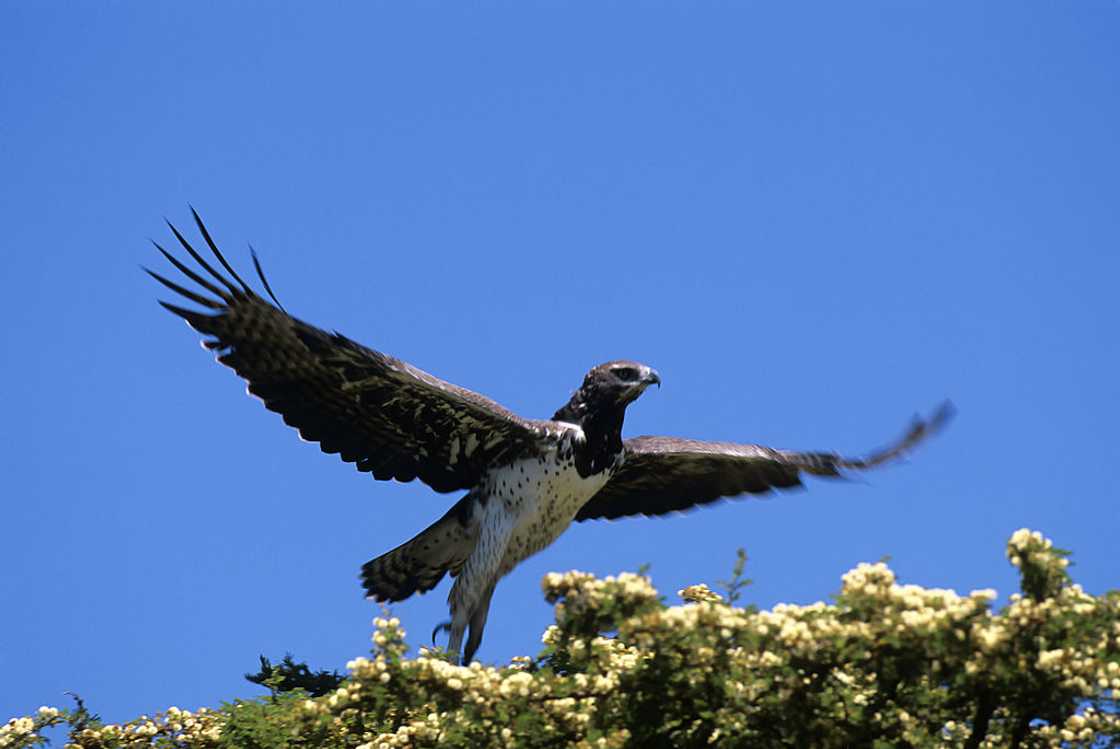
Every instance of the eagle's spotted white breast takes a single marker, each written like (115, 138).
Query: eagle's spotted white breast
(521, 508)
(542, 496)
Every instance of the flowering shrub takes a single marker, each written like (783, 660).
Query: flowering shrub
(884, 665)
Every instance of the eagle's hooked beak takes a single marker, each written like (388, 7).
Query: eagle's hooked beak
(652, 378)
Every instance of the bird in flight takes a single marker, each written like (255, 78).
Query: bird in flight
(525, 480)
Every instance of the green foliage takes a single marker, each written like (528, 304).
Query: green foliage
(80, 717)
(264, 724)
(288, 676)
(885, 665)
(733, 587)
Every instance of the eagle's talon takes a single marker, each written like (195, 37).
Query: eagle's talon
(442, 626)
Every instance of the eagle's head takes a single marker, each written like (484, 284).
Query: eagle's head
(608, 388)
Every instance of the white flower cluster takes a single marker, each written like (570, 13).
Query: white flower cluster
(181, 727)
(700, 593)
(1081, 670)
(24, 730)
(1080, 730)
(17, 731)
(388, 635)
(581, 599)
(425, 731)
(868, 578)
(590, 589)
(1023, 542)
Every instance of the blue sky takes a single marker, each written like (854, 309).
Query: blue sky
(814, 219)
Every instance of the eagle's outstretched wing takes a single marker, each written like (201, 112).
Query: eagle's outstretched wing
(669, 474)
(387, 417)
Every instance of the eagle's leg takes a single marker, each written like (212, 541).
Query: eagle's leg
(458, 628)
(470, 595)
(477, 624)
(441, 627)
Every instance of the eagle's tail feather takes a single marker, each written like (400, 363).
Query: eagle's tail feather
(418, 565)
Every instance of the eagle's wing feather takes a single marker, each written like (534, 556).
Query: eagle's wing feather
(670, 474)
(384, 415)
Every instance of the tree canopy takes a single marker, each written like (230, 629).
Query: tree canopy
(883, 665)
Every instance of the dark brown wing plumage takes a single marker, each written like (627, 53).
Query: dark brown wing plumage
(669, 474)
(385, 416)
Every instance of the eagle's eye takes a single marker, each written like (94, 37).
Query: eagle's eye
(626, 374)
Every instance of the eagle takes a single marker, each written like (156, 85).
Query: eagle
(525, 480)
